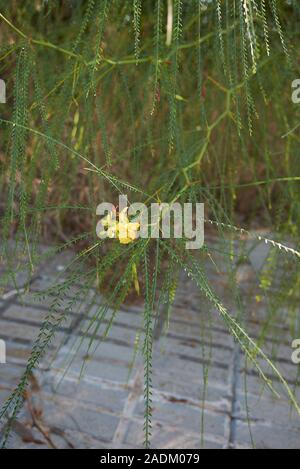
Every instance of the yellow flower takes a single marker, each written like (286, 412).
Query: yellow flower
(108, 220)
(127, 231)
(109, 223)
(123, 229)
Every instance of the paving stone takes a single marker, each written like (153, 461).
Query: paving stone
(16, 442)
(73, 415)
(23, 332)
(258, 255)
(268, 409)
(164, 437)
(31, 314)
(4, 393)
(170, 372)
(257, 387)
(81, 440)
(118, 333)
(267, 436)
(194, 350)
(198, 371)
(17, 353)
(12, 330)
(9, 284)
(86, 391)
(56, 264)
(215, 336)
(10, 374)
(45, 303)
(187, 417)
(109, 362)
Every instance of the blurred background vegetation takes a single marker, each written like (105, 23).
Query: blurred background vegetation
(159, 94)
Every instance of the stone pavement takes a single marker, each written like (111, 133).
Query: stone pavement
(205, 395)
